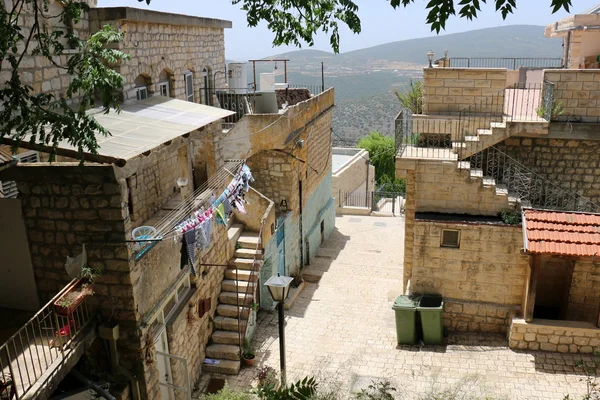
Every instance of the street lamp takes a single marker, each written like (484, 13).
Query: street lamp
(430, 57)
(279, 287)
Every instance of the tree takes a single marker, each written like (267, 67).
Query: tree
(412, 98)
(381, 153)
(48, 118)
(294, 21)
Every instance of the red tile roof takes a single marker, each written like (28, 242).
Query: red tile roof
(562, 233)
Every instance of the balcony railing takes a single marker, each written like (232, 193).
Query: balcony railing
(29, 358)
(505, 62)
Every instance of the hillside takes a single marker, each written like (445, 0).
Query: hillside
(365, 79)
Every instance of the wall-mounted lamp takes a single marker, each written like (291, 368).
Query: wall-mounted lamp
(430, 58)
(283, 206)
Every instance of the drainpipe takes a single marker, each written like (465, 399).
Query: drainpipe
(567, 50)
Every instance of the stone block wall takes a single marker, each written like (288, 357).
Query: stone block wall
(570, 164)
(356, 174)
(584, 296)
(488, 267)
(441, 187)
(556, 336)
(162, 50)
(578, 91)
(470, 316)
(449, 90)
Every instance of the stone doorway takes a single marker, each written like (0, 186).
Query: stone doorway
(553, 286)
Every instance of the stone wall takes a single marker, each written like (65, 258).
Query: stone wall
(584, 296)
(36, 70)
(162, 50)
(441, 187)
(448, 90)
(561, 336)
(472, 316)
(356, 174)
(488, 267)
(570, 164)
(578, 91)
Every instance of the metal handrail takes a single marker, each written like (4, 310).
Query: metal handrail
(31, 351)
(505, 62)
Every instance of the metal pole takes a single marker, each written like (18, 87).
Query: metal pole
(285, 71)
(322, 77)
(254, 73)
(281, 343)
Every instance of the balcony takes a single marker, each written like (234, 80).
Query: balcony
(44, 349)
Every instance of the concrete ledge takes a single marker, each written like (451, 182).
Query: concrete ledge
(353, 211)
(155, 17)
(550, 335)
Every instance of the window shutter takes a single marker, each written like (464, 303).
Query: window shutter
(189, 86)
(450, 238)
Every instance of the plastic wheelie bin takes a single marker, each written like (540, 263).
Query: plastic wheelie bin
(405, 308)
(430, 309)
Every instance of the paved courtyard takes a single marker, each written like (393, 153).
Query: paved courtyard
(343, 328)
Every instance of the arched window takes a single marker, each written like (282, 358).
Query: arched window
(165, 83)
(142, 85)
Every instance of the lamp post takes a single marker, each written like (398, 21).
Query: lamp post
(430, 57)
(279, 287)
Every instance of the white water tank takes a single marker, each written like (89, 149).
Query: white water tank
(267, 82)
(280, 86)
(238, 78)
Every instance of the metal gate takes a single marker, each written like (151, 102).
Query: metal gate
(182, 390)
(381, 202)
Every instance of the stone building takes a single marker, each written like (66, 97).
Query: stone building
(492, 146)
(165, 326)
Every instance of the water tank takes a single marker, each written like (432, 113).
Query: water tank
(280, 86)
(267, 82)
(265, 103)
(238, 78)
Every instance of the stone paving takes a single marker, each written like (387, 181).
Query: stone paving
(343, 328)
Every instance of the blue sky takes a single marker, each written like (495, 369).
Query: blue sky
(380, 23)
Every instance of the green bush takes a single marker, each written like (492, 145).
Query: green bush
(228, 394)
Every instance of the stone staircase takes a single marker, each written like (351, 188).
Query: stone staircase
(234, 303)
(482, 139)
(489, 184)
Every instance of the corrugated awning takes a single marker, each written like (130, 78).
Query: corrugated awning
(147, 124)
(562, 233)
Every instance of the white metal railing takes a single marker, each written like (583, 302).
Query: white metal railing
(40, 345)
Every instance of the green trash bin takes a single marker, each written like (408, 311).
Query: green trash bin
(430, 309)
(405, 308)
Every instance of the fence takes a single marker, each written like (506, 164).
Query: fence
(44, 340)
(505, 62)
(385, 202)
(523, 183)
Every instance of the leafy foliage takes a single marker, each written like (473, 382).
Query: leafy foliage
(377, 390)
(510, 217)
(304, 389)
(228, 394)
(412, 98)
(300, 20)
(381, 153)
(553, 110)
(48, 118)
(247, 350)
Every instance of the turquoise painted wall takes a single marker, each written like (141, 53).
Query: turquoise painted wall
(320, 206)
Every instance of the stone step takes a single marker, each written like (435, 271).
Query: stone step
(226, 337)
(501, 190)
(464, 165)
(241, 274)
(312, 275)
(242, 263)
(498, 125)
(458, 145)
(228, 310)
(234, 232)
(248, 240)
(229, 324)
(226, 367)
(230, 285)
(232, 298)
(223, 352)
(484, 132)
(471, 139)
(476, 173)
(248, 253)
(488, 182)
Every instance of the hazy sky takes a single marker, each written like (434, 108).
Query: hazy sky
(380, 23)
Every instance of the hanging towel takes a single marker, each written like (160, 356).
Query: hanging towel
(190, 242)
(220, 215)
(204, 237)
(227, 206)
(240, 206)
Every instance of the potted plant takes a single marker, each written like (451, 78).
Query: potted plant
(7, 387)
(69, 301)
(247, 353)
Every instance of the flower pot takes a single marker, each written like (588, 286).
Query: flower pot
(248, 361)
(75, 300)
(109, 330)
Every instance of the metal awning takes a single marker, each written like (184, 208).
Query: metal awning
(141, 127)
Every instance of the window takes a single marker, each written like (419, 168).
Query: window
(189, 86)
(164, 89)
(206, 87)
(141, 93)
(450, 238)
(9, 188)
